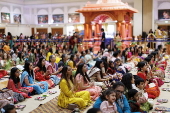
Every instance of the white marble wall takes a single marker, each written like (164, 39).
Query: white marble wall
(137, 23)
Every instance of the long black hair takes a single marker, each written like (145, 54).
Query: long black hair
(79, 71)
(117, 84)
(141, 65)
(97, 65)
(126, 80)
(32, 51)
(39, 64)
(124, 55)
(104, 58)
(72, 59)
(64, 76)
(20, 56)
(110, 63)
(26, 68)
(133, 52)
(50, 50)
(39, 52)
(12, 75)
(62, 57)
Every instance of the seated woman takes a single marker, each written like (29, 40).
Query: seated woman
(89, 59)
(142, 68)
(50, 52)
(129, 82)
(6, 97)
(119, 67)
(52, 67)
(67, 91)
(83, 82)
(72, 63)
(112, 71)
(20, 59)
(158, 64)
(3, 72)
(7, 63)
(154, 76)
(27, 79)
(63, 61)
(42, 74)
(14, 83)
(95, 73)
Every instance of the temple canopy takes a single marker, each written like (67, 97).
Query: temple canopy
(103, 10)
(107, 5)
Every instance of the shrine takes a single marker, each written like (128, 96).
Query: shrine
(97, 13)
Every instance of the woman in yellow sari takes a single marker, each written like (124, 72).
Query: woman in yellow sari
(67, 91)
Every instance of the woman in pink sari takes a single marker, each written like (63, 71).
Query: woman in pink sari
(83, 82)
(52, 67)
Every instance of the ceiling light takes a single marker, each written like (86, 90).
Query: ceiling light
(56, 25)
(41, 25)
(166, 21)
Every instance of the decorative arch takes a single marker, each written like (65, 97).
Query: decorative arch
(164, 5)
(72, 10)
(42, 11)
(58, 11)
(5, 9)
(111, 15)
(17, 10)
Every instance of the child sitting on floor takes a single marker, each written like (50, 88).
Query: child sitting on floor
(145, 105)
(133, 96)
(109, 106)
(140, 84)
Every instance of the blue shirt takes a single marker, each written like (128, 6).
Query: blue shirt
(126, 108)
(97, 103)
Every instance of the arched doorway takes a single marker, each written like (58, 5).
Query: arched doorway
(101, 21)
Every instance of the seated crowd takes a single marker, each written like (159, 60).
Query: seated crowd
(84, 77)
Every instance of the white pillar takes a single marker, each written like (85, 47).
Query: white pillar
(65, 19)
(11, 14)
(137, 29)
(50, 15)
(154, 14)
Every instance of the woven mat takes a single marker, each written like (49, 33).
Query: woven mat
(50, 107)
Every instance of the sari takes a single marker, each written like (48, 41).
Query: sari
(51, 80)
(53, 69)
(16, 88)
(67, 96)
(36, 87)
(93, 90)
